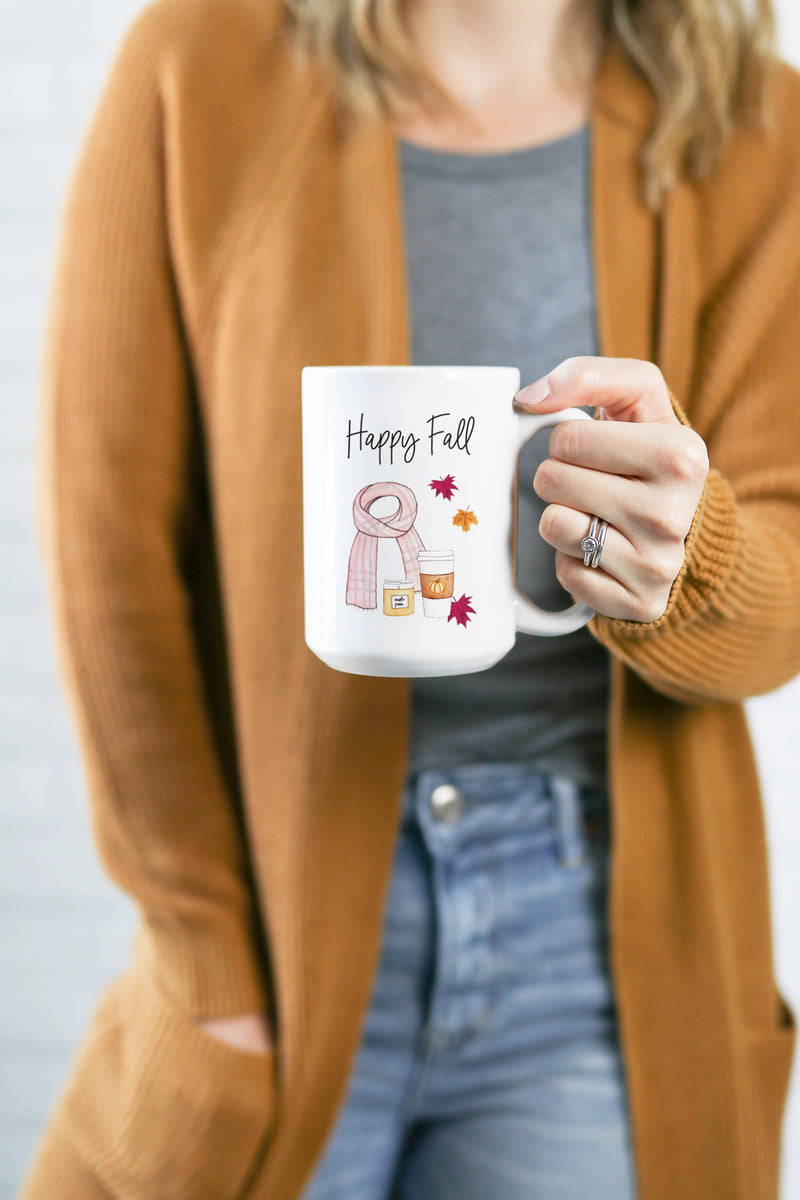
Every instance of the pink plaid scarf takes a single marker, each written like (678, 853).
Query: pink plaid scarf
(363, 562)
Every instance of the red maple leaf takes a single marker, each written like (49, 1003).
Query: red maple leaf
(460, 610)
(444, 487)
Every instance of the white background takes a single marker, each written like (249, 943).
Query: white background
(63, 929)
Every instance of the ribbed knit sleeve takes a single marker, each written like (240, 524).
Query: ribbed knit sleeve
(117, 510)
(731, 628)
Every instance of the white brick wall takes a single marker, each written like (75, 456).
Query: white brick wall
(63, 928)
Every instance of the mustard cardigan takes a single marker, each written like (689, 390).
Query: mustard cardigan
(225, 225)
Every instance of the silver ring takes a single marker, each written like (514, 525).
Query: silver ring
(589, 543)
(601, 541)
(592, 544)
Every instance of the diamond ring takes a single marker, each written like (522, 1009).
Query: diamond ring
(592, 544)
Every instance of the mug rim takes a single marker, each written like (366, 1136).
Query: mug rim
(463, 369)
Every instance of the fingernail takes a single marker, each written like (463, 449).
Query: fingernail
(534, 393)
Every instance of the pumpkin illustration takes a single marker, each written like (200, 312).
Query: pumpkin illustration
(437, 587)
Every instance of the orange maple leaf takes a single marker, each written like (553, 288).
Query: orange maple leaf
(464, 518)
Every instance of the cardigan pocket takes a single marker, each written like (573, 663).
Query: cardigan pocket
(768, 1059)
(159, 1108)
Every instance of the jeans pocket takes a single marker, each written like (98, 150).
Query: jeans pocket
(580, 822)
(596, 828)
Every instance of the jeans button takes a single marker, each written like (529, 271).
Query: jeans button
(447, 803)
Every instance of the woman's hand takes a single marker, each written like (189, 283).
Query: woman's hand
(639, 469)
(250, 1031)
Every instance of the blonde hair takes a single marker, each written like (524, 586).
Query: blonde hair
(707, 62)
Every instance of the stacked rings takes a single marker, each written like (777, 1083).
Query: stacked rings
(592, 544)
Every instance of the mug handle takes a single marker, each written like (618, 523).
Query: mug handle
(528, 617)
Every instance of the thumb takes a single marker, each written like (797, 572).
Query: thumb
(627, 389)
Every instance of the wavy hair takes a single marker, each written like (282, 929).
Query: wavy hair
(707, 62)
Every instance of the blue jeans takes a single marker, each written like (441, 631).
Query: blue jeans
(489, 1066)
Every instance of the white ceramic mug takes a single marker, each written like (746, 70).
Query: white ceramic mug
(409, 505)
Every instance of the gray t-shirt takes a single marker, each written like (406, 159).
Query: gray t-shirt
(499, 266)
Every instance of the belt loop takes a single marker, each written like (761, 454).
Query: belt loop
(568, 825)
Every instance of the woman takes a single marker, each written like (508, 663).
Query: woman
(407, 941)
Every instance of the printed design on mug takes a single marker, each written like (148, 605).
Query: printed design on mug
(362, 567)
(461, 610)
(465, 518)
(437, 573)
(444, 487)
(398, 597)
(429, 572)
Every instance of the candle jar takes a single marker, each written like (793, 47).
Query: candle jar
(398, 597)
